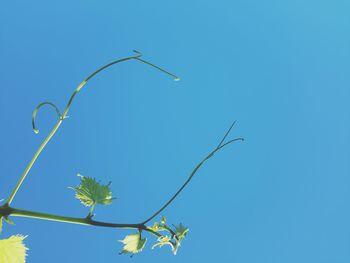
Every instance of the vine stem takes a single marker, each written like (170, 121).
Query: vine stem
(6, 211)
(64, 116)
(220, 146)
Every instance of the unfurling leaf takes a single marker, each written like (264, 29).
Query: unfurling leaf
(91, 192)
(133, 244)
(181, 232)
(12, 250)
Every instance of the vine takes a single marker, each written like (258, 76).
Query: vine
(90, 192)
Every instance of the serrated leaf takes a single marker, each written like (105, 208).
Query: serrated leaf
(12, 250)
(91, 192)
(133, 244)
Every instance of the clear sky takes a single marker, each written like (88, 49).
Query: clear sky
(280, 68)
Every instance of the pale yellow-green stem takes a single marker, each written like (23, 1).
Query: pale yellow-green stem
(31, 163)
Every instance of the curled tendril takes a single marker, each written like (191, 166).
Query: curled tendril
(82, 84)
(35, 112)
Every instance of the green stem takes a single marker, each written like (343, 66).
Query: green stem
(31, 163)
(64, 115)
(6, 210)
(90, 215)
(9, 211)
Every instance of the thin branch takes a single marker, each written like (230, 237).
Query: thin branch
(9, 211)
(32, 161)
(6, 210)
(220, 146)
(226, 134)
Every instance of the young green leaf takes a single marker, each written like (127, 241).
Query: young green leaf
(181, 232)
(133, 244)
(91, 192)
(12, 250)
(0, 224)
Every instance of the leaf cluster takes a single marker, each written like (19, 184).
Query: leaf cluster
(166, 236)
(172, 237)
(91, 192)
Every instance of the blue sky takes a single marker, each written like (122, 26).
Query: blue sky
(280, 68)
